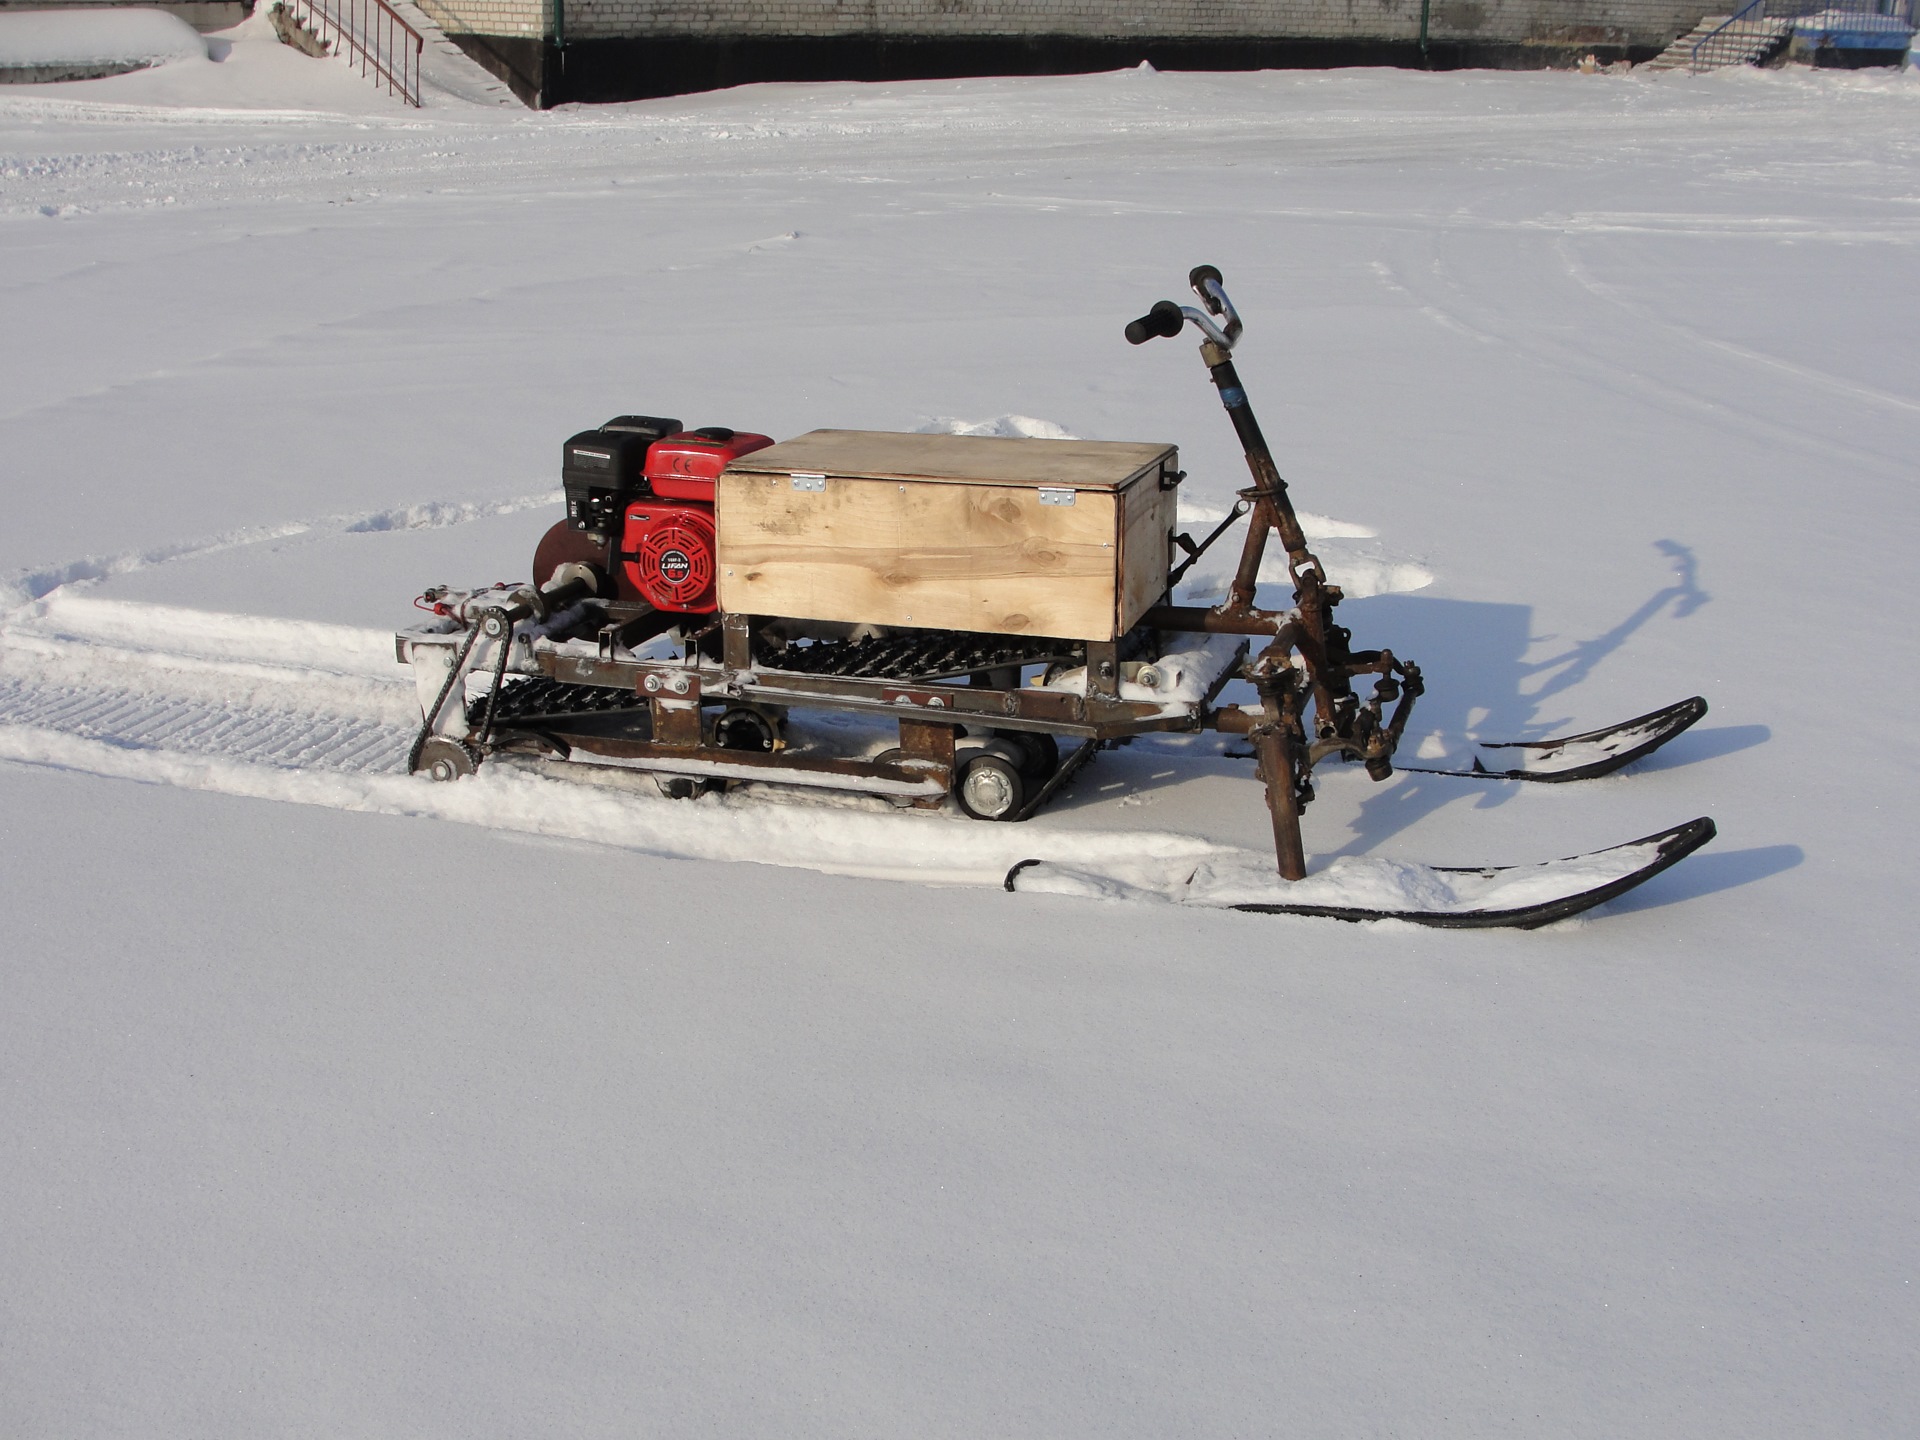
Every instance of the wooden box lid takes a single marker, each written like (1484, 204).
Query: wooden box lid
(959, 459)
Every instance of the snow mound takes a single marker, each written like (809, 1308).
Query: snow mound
(1858, 21)
(1009, 427)
(1355, 560)
(1315, 526)
(441, 514)
(37, 39)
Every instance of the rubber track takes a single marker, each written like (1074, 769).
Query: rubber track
(930, 655)
(543, 699)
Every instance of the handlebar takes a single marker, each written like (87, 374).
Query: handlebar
(1163, 319)
(1167, 318)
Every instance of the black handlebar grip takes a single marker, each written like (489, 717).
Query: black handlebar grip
(1198, 277)
(1163, 319)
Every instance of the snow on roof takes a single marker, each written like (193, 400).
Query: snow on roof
(1857, 21)
(96, 37)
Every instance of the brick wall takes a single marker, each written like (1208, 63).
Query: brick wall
(530, 18)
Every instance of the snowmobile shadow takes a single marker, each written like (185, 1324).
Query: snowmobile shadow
(1473, 655)
(1480, 681)
(1710, 871)
(1708, 744)
(1134, 770)
(1577, 661)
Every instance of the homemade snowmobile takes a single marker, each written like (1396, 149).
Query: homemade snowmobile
(985, 600)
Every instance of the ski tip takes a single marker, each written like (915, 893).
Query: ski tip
(1672, 718)
(1682, 840)
(1017, 868)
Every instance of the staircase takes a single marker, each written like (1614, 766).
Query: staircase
(1749, 37)
(448, 74)
(369, 34)
(396, 46)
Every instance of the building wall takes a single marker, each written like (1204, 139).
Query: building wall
(1618, 22)
(531, 19)
(634, 49)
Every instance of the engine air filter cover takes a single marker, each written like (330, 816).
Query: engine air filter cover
(666, 550)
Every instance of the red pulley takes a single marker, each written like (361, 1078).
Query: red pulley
(667, 552)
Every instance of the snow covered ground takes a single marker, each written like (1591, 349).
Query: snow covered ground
(325, 1115)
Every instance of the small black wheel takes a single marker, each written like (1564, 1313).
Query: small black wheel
(1039, 755)
(744, 729)
(442, 758)
(990, 788)
(688, 787)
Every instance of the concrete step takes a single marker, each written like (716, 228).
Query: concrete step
(447, 72)
(1746, 42)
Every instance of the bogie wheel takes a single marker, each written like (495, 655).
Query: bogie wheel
(744, 729)
(442, 758)
(688, 787)
(990, 788)
(1039, 755)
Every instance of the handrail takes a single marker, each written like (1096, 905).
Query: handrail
(373, 34)
(1744, 13)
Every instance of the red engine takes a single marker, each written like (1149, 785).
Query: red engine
(666, 549)
(666, 539)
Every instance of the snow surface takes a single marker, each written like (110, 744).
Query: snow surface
(335, 1117)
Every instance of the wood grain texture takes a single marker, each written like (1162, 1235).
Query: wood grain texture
(1148, 517)
(960, 459)
(962, 556)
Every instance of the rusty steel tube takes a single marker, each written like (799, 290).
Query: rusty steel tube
(1197, 619)
(1232, 720)
(1275, 748)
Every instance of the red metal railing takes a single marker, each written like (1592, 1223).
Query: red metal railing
(371, 34)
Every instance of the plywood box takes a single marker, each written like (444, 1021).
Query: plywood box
(1063, 538)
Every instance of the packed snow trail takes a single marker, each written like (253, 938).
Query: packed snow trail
(318, 714)
(135, 719)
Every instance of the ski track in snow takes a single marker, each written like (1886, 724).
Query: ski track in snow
(36, 584)
(145, 720)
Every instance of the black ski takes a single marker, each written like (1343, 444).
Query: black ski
(1575, 757)
(1465, 897)
(1669, 847)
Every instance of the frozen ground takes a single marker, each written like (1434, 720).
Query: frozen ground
(329, 1119)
